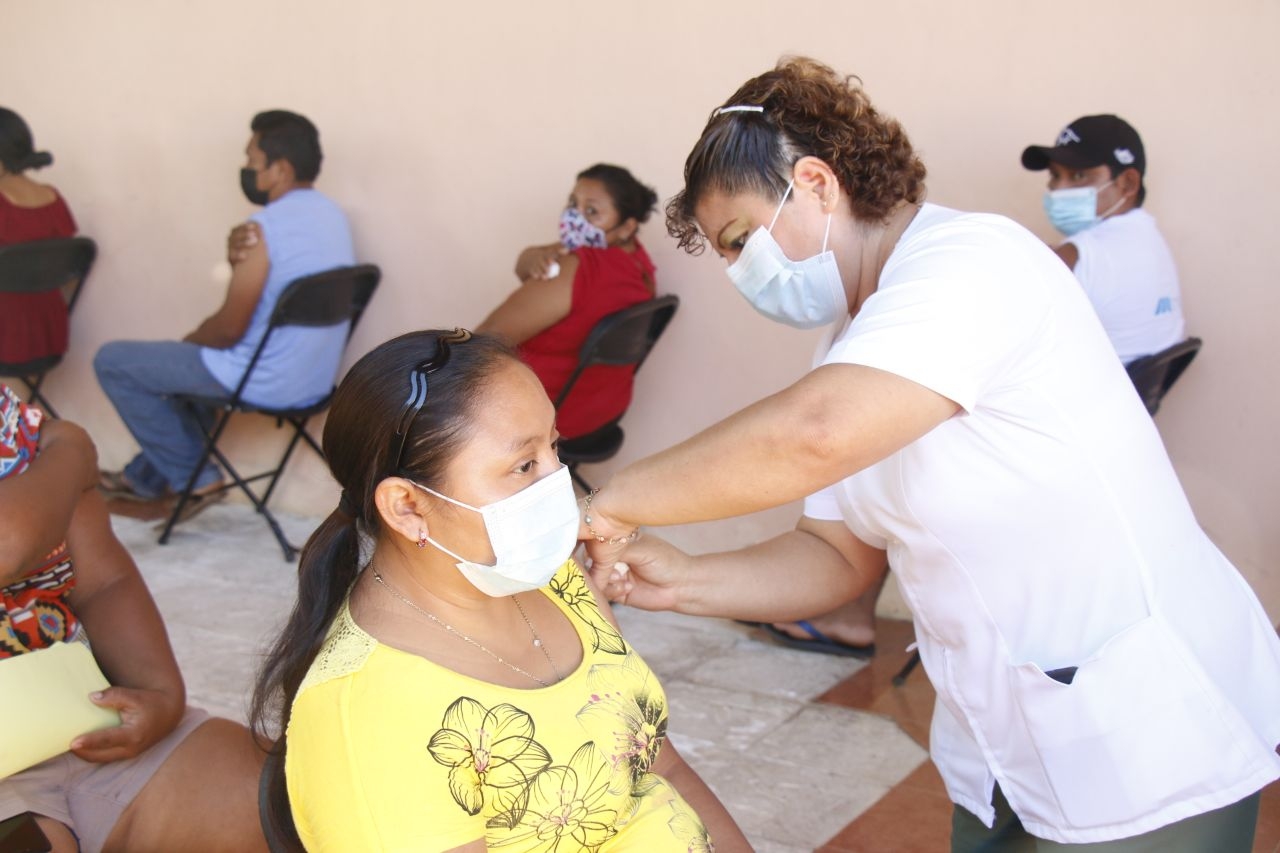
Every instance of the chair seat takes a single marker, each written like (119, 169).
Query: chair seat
(249, 408)
(594, 446)
(29, 368)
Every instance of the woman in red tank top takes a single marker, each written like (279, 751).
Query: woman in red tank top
(32, 325)
(596, 268)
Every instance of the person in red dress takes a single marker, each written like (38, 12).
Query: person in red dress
(32, 325)
(596, 268)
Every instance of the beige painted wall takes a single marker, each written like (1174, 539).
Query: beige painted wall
(452, 132)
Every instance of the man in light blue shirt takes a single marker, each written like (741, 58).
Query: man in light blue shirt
(299, 232)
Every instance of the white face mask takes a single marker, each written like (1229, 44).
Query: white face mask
(532, 533)
(804, 294)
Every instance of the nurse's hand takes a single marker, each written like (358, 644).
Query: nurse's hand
(649, 576)
(606, 537)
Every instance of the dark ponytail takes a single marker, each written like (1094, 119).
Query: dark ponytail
(17, 148)
(357, 446)
(328, 567)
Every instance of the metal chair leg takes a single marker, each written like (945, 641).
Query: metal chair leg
(309, 440)
(908, 667)
(260, 504)
(284, 460)
(210, 448)
(33, 384)
(211, 451)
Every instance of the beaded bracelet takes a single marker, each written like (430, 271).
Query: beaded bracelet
(610, 540)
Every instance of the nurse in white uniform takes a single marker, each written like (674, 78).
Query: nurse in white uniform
(1104, 675)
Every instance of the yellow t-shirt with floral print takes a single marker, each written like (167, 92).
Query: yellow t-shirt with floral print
(388, 751)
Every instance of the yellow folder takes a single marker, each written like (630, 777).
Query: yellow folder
(46, 699)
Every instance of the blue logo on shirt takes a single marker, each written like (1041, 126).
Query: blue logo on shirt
(1164, 306)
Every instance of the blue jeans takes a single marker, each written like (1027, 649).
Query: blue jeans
(139, 378)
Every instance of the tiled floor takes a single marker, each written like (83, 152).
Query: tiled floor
(809, 752)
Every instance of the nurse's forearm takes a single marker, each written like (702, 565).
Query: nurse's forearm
(834, 422)
(792, 576)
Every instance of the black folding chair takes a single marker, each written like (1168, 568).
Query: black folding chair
(622, 338)
(42, 266)
(324, 299)
(1154, 375)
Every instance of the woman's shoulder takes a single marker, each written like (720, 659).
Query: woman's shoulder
(618, 268)
(343, 653)
(31, 195)
(25, 217)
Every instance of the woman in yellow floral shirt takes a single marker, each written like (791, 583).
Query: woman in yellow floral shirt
(447, 680)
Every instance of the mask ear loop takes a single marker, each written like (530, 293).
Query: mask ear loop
(1119, 201)
(791, 183)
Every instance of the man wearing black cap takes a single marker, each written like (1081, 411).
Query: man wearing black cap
(1096, 172)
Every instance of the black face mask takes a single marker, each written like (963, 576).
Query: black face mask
(249, 184)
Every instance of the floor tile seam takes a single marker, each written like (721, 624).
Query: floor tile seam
(799, 700)
(893, 718)
(773, 764)
(858, 775)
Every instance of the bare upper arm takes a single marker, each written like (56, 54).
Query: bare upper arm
(865, 559)
(534, 306)
(1069, 253)
(248, 279)
(100, 558)
(846, 417)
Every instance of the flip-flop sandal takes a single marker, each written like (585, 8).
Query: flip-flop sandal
(819, 643)
(114, 486)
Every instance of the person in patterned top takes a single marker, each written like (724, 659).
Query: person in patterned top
(448, 680)
(168, 777)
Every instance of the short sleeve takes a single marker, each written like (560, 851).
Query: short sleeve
(360, 774)
(65, 223)
(823, 505)
(956, 307)
(263, 218)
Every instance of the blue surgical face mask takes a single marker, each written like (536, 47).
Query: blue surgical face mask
(1073, 210)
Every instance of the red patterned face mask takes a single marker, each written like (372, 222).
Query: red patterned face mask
(577, 233)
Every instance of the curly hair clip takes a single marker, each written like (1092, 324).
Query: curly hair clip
(737, 108)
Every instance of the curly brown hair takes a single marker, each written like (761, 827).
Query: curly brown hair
(808, 110)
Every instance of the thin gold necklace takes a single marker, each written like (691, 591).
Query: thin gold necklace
(537, 641)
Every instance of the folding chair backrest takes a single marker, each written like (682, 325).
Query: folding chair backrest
(44, 265)
(623, 337)
(327, 298)
(323, 299)
(1153, 375)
